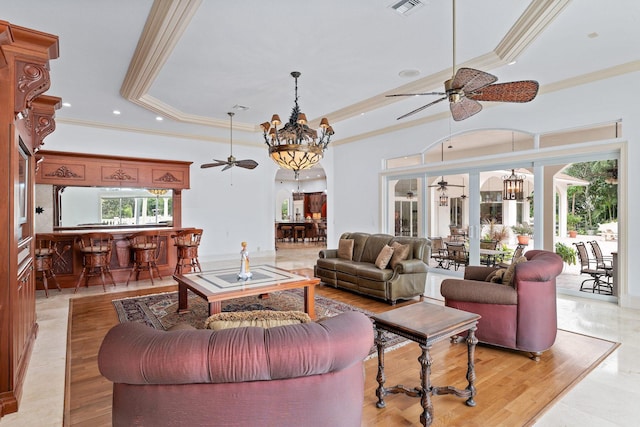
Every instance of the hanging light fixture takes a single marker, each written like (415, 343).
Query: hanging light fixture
(513, 186)
(611, 174)
(464, 196)
(513, 183)
(443, 199)
(157, 191)
(296, 146)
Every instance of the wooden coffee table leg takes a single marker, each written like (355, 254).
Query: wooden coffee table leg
(183, 305)
(426, 418)
(310, 301)
(471, 370)
(215, 307)
(380, 391)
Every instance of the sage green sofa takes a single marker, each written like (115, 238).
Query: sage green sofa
(360, 274)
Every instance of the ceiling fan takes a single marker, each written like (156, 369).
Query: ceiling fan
(442, 184)
(231, 161)
(467, 86)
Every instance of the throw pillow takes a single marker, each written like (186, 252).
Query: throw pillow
(400, 253)
(255, 318)
(496, 276)
(384, 257)
(508, 275)
(345, 249)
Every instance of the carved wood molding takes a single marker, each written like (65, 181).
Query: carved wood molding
(168, 177)
(120, 175)
(32, 80)
(63, 172)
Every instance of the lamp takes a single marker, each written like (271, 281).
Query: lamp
(296, 146)
(512, 183)
(512, 186)
(443, 200)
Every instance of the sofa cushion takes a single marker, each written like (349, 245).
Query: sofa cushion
(400, 253)
(384, 257)
(508, 275)
(256, 318)
(345, 249)
(369, 271)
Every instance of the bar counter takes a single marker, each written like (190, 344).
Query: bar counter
(67, 264)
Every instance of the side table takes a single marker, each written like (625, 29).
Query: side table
(426, 324)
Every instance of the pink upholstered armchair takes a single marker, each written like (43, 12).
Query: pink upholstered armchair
(307, 374)
(519, 316)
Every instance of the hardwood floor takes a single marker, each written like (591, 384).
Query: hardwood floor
(512, 389)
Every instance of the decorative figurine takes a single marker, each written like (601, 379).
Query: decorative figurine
(244, 263)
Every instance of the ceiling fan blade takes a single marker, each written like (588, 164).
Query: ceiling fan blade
(470, 80)
(229, 165)
(247, 164)
(521, 91)
(417, 110)
(415, 94)
(464, 109)
(213, 165)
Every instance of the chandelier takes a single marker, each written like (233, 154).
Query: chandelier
(157, 191)
(295, 145)
(513, 186)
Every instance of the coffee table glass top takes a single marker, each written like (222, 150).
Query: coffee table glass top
(226, 279)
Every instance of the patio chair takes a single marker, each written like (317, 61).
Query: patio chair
(602, 261)
(457, 254)
(600, 277)
(517, 253)
(439, 252)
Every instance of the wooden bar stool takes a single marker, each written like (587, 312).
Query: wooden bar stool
(147, 248)
(44, 252)
(287, 232)
(187, 242)
(298, 233)
(96, 257)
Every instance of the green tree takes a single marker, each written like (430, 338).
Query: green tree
(596, 203)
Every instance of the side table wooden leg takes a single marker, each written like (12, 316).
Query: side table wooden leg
(310, 301)
(471, 370)
(426, 418)
(380, 391)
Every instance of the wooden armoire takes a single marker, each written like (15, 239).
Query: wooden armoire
(26, 118)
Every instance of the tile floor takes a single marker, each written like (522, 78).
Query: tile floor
(606, 397)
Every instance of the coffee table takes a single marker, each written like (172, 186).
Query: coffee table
(426, 324)
(223, 284)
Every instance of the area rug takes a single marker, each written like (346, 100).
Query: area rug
(160, 310)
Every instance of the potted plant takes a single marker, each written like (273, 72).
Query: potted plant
(523, 232)
(567, 253)
(572, 223)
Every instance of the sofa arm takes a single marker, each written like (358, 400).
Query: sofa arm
(328, 253)
(409, 266)
(478, 292)
(477, 272)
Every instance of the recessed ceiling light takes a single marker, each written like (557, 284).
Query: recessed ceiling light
(116, 112)
(66, 104)
(409, 73)
(593, 35)
(158, 118)
(512, 62)
(240, 107)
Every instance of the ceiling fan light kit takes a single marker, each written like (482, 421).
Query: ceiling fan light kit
(468, 86)
(231, 161)
(296, 146)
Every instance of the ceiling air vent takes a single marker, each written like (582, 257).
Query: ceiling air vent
(407, 7)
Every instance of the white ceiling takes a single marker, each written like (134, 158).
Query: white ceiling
(204, 57)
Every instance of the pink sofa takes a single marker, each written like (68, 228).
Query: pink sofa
(307, 374)
(521, 316)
